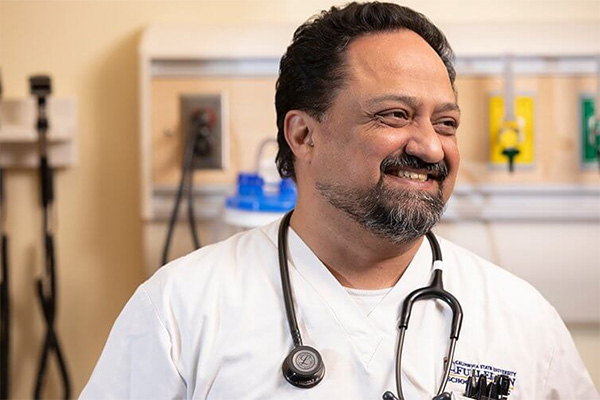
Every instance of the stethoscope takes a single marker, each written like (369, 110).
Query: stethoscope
(304, 367)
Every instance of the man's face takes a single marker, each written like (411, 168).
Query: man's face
(385, 152)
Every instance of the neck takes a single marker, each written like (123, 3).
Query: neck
(355, 256)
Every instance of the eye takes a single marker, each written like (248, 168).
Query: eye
(396, 117)
(395, 114)
(446, 126)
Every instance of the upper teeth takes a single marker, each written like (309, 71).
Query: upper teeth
(412, 175)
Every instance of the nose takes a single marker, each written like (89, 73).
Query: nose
(424, 143)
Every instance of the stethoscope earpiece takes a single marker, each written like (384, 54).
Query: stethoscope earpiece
(303, 367)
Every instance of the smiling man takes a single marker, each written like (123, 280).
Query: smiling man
(308, 307)
(377, 166)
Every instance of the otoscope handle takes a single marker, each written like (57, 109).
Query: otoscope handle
(41, 87)
(4, 323)
(2, 188)
(46, 182)
(42, 122)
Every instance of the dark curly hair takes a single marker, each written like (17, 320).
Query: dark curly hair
(312, 69)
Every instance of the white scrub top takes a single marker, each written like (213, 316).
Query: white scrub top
(212, 325)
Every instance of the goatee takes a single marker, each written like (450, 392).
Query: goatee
(399, 215)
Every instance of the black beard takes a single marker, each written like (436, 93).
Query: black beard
(397, 215)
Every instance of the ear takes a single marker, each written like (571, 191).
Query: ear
(299, 129)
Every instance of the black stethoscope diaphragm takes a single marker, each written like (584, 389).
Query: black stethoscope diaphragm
(303, 367)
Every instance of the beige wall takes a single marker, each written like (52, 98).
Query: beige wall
(90, 48)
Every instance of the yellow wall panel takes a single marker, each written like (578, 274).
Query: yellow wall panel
(517, 134)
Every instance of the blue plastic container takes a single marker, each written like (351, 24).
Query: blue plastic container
(252, 195)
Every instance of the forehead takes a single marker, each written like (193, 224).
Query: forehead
(399, 60)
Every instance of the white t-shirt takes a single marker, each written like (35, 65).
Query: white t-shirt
(367, 300)
(212, 325)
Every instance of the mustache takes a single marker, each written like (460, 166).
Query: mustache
(438, 171)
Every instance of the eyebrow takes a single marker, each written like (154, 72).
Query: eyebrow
(447, 107)
(413, 102)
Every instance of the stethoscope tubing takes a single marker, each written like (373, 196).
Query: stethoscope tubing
(435, 290)
(447, 367)
(288, 299)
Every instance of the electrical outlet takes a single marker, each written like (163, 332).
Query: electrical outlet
(203, 116)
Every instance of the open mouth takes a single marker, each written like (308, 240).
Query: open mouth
(418, 176)
(414, 169)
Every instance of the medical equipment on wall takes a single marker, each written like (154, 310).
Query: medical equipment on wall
(304, 367)
(510, 136)
(254, 196)
(594, 121)
(197, 145)
(40, 87)
(4, 301)
(4, 294)
(261, 196)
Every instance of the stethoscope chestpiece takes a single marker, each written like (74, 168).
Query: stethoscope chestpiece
(303, 367)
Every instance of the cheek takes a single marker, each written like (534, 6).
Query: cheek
(354, 156)
(451, 153)
(452, 159)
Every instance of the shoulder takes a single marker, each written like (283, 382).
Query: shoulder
(509, 325)
(214, 268)
(462, 263)
(491, 288)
